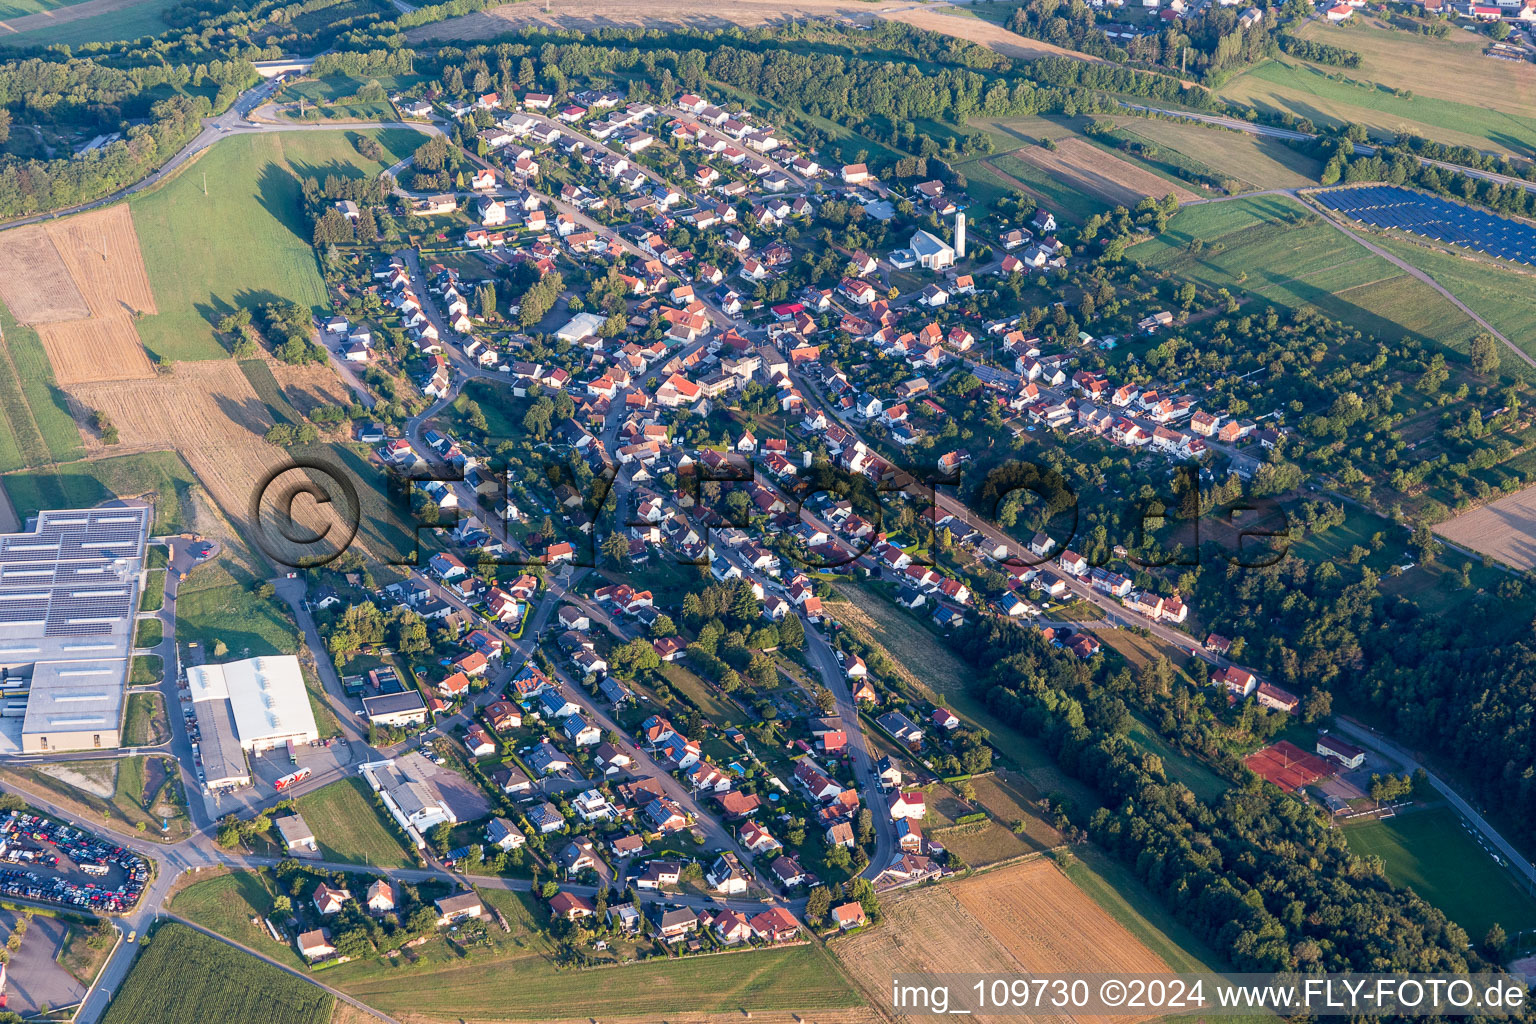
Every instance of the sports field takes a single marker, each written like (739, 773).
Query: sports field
(246, 241)
(350, 829)
(1273, 247)
(1433, 853)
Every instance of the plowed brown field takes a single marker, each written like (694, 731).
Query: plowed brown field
(34, 282)
(1090, 169)
(80, 281)
(1024, 919)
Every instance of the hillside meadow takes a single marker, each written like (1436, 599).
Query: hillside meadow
(247, 240)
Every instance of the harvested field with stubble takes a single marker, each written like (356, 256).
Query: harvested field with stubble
(1503, 529)
(1089, 169)
(1026, 918)
(34, 280)
(208, 412)
(80, 282)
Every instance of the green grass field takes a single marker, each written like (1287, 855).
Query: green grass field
(140, 725)
(246, 242)
(160, 476)
(154, 591)
(35, 425)
(1254, 161)
(350, 829)
(146, 670)
(133, 22)
(149, 633)
(226, 905)
(185, 977)
(18, 8)
(247, 624)
(1499, 292)
(803, 979)
(1431, 852)
(1272, 247)
(1290, 86)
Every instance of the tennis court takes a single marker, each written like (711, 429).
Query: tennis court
(1288, 766)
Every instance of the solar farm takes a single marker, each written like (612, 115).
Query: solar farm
(1385, 206)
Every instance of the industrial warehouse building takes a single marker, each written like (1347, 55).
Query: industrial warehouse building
(252, 705)
(69, 594)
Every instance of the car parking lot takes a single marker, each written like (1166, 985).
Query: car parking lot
(1390, 207)
(51, 862)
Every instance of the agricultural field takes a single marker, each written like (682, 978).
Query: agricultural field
(350, 829)
(1503, 529)
(218, 428)
(80, 282)
(1339, 96)
(1432, 852)
(1024, 918)
(92, 21)
(1273, 248)
(1254, 162)
(1086, 168)
(801, 979)
(15, 8)
(1412, 61)
(186, 977)
(245, 242)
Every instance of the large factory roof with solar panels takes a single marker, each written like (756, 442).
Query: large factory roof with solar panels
(266, 699)
(69, 594)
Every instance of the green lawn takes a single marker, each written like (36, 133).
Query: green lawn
(146, 670)
(143, 724)
(227, 904)
(154, 591)
(185, 977)
(351, 829)
(1431, 852)
(802, 979)
(149, 634)
(160, 476)
(246, 242)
